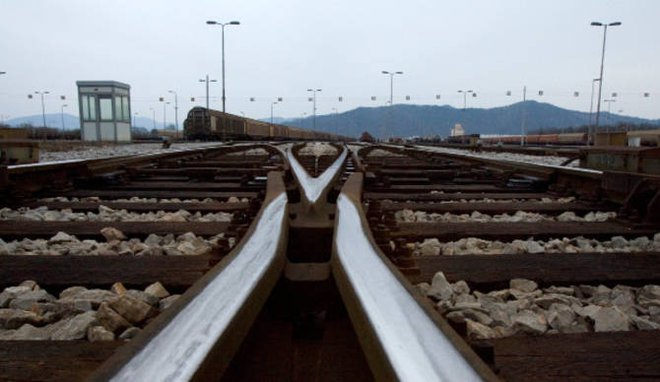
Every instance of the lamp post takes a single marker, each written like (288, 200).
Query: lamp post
(314, 107)
(165, 114)
(223, 55)
(62, 114)
(43, 105)
(391, 74)
(602, 64)
(591, 132)
(271, 111)
(465, 93)
(176, 112)
(135, 119)
(207, 88)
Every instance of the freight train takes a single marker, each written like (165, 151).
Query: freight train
(210, 125)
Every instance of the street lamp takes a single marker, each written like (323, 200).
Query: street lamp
(43, 105)
(465, 93)
(207, 89)
(165, 114)
(591, 132)
(271, 111)
(176, 112)
(223, 55)
(602, 63)
(314, 107)
(62, 114)
(391, 74)
(135, 119)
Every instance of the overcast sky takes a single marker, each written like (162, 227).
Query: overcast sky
(282, 48)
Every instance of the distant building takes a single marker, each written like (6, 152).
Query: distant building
(105, 111)
(457, 130)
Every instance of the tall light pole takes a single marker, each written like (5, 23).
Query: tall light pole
(271, 111)
(176, 112)
(62, 114)
(524, 117)
(135, 119)
(391, 74)
(591, 132)
(165, 114)
(223, 55)
(207, 89)
(314, 107)
(602, 64)
(465, 93)
(43, 105)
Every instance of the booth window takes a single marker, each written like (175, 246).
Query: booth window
(122, 113)
(89, 107)
(105, 104)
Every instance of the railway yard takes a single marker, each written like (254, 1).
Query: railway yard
(327, 261)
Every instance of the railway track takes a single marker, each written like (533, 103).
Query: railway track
(320, 262)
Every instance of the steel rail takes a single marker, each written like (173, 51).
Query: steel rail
(314, 187)
(400, 339)
(200, 336)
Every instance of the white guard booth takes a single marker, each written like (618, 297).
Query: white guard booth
(105, 111)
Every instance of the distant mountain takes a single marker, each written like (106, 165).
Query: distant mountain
(52, 120)
(415, 120)
(410, 120)
(73, 122)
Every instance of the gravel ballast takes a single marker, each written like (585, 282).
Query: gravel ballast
(116, 244)
(28, 312)
(476, 246)
(525, 309)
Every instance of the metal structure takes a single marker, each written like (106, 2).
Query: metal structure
(465, 93)
(223, 55)
(602, 64)
(176, 112)
(314, 106)
(391, 74)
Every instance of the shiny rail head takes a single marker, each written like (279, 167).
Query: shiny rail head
(415, 347)
(177, 352)
(314, 187)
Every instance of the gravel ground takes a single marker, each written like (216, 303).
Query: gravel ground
(569, 199)
(107, 214)
(318, 149)
(28, 312)
(523, 308)
(410, 216)
(116, 244)
(135, 199)
(476, 246)
(94, 152)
